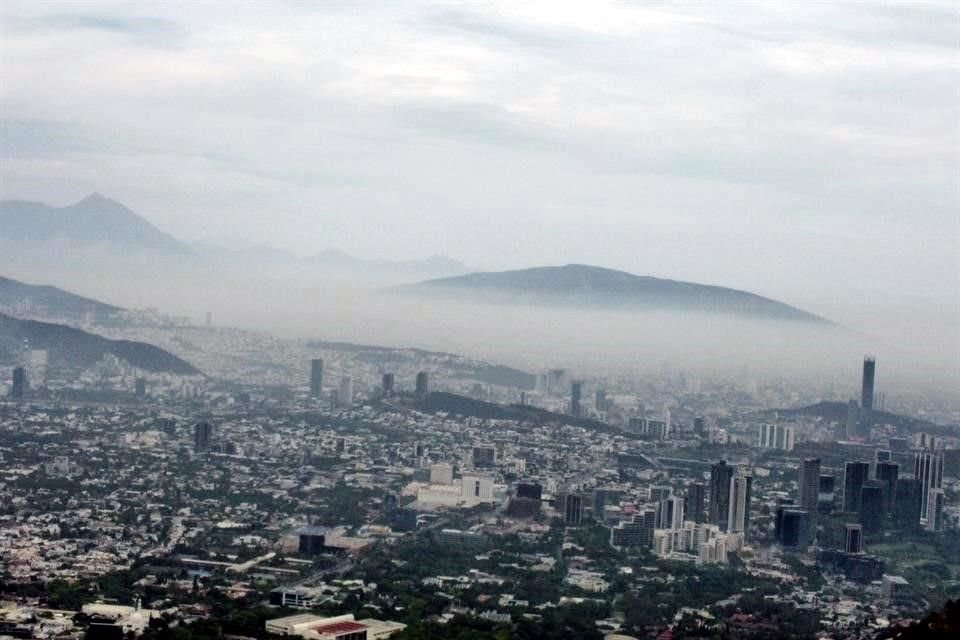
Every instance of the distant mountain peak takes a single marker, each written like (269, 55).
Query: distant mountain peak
(96, 220)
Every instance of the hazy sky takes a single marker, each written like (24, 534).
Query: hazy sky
(803, 150)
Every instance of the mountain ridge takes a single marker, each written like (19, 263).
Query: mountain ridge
(50, 300)
(82, 349)
(599, 287)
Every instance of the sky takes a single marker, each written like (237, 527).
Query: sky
(806, 151)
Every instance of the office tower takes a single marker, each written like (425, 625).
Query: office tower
(202, 437)
(776, 436)
(19, 389)
(140, 388)
(809, 495)
(741, 486)
(720, 476)
(699, 427)
(887, 473)
(530, 490)
(603, 497)
(854, 538)
(387, 384)
(906, 503)
(866, 391)
(209, 319)
(793, 527)
(638, 532)
(670, 513)
(660, 492)
(575, 390)
(484, 457)
(853, 420)
(316, 377)
(935, 501)
(827, 493)
(882, 455)
(345, 392)
(571, 508)
(677, 515)
(854, 475)
(600, 400)
(928, 468)
(696, 495)
(423, 384)
(871, 506)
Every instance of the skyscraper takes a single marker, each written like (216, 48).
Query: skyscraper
(316, 377)
(387, 384)
(741, 487)
(696, 494)
(809, 482)
(853, 420)
(854, 475)
(887, 473)
(140, 387)
(935, 501)
(793, 527)
(423, 384)
(572, 508)
(575, 390)
(854, 538)
(906, 504)
(699, 427)
(202, 437)
(928, 469)
(871, 506)
(345, 392)
(866, 391)
(720, 475)
(19, 389)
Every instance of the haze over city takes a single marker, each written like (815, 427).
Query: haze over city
(637, 318)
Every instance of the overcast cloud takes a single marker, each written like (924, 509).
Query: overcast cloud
(801, 150)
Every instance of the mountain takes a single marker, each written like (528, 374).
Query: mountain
(30, 299)
(95, 221)
(837, 412)
(77, 348)
(596, 287)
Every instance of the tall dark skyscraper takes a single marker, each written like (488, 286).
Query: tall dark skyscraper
(699, 426)
(696, 497)
(387, 384)
(809, 497)
(575, 390)
(854, 475)
(423, 384)
(19, 389)
(854, 538)
(720, 476)
(906, 504)
(866, 391)
(316, 377)
(887, 473)
(202, 437)
(140, 387)
(871, 506)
